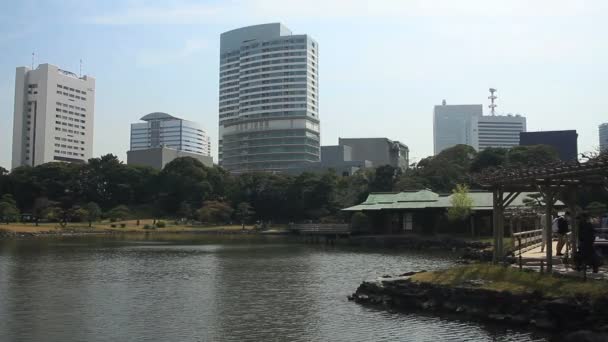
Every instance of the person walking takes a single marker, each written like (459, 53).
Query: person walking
(563, 227)
(586, 236)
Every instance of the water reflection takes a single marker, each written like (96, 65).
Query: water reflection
(208, 288)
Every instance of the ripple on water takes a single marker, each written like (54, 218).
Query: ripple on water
(198, 291)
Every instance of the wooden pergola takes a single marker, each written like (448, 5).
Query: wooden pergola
(551, 181)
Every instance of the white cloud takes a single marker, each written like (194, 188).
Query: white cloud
(153, 58)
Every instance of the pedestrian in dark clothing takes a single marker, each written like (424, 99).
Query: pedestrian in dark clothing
(562, 232)
(586, 236)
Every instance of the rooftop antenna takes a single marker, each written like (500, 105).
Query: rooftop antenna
(492, 105)
(33, 54)
(80, 69)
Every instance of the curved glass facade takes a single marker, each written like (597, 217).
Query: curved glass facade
(268, 101)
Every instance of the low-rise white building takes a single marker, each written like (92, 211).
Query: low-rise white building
(161, 129)
(53, 116)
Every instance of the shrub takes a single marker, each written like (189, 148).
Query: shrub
(122, 225)
(360, 222)
(160, 224)
(112, 219)
(113, 225)
(147, 226)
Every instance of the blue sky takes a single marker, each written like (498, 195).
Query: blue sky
(383, 64)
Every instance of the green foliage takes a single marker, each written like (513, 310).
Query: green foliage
(185, 210)
(215, 212)
(360, 222)
(161, 224)
(120, 212)
(147, 226)
(461, 202)
(489, 158)
(499, 278)
(244, 211)
(93, 212)
(8, 209)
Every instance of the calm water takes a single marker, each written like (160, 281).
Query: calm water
(199, 288)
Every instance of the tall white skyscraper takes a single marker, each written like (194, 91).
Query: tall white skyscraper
(500, 130)
(454, 125)
(603, 130)
(269, 99)
(53, 116)
(161, 129)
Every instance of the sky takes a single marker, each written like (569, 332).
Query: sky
(383, 64)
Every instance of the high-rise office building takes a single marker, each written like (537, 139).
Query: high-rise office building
(53, 116)
(268, 100)
(499, 130)
(455, 125)
(603, 130)
(565, 143)
(161, 129)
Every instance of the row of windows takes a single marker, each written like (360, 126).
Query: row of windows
(70, 147)
(68, 118)
(276, 74)
(68, 124)
(71, 89)
(270, 134)
(274, 68)
(68, 131)
(72, 95)
(281, 48)
(310, 156)
(59, 104)
(273, 42)
(275, 100)
(274, 81)
(269, 142)
(69, 112)
(273, 62)
(273, 55)
(70, 140)
(277, 87)
(283, 106)
(69, 153)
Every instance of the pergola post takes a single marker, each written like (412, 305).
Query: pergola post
(549, 198)
(498, 224)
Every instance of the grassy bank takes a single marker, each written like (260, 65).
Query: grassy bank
(500, 278)
(129, 226)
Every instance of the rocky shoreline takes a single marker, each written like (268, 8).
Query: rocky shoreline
(472, 303)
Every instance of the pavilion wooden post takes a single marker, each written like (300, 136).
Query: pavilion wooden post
(549, 197)
(498, 224)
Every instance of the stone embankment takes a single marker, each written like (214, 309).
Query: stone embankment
(470, 302)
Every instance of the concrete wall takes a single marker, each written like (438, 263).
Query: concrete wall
(161, 156)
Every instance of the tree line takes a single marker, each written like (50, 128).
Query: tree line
(185, 188)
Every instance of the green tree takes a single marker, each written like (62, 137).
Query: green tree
(40, 209)
(244, 211)
(383, 179)
(119, 213)
(360, 222)
(93, 212)
(185, 210)
(215, 212)
(8, 209)
(462, 203)
(489, 158)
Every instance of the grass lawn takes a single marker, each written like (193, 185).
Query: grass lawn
(500, 278)
(130, 226)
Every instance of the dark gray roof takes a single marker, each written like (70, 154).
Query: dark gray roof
(158, 116)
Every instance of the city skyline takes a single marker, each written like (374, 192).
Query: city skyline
(381, 72)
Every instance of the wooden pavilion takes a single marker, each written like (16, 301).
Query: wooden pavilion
(562, 180)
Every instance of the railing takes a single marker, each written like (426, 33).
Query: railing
(528, 240)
